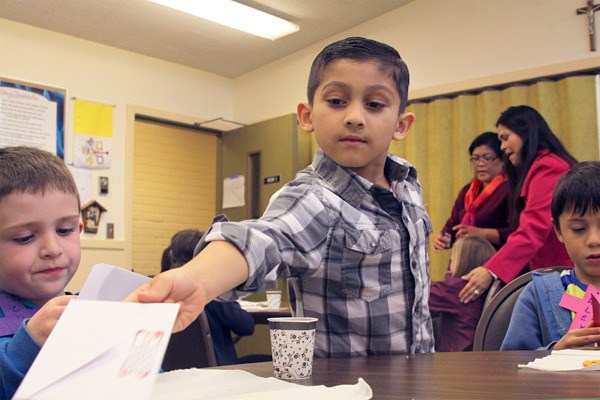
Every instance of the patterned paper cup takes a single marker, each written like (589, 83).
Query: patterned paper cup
(292, 346)
(274, 299)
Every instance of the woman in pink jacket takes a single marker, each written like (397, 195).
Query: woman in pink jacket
(535, 161)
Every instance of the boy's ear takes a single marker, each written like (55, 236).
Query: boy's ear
(557, 230)
(304, 112)
(80, 226)
(405, 121)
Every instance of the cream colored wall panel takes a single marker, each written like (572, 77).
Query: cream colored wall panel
(97, 252)
(174, 180)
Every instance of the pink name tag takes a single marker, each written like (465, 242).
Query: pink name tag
(586, 310)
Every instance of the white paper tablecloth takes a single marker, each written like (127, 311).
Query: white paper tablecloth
(199, 384)
(565, 360)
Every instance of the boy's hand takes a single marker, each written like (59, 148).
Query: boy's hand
(43, 322)
(480, 279)
(441, 242)
(178, 285)
(579, 338)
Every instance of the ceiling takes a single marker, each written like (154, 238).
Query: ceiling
(156, 31)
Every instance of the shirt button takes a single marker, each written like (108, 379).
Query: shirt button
(414, 264)
(372, 244)
(405, 219)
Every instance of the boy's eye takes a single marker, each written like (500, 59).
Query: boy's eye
(375, 104)
(24, 239)
(576, 229)
(336, 102)
(65, 231)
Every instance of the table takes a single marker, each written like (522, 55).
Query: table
(260, 315)
(466, 375)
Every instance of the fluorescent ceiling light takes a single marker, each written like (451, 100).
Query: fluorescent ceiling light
(235, 15)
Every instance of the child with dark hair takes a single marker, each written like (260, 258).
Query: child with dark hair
(224, 318)
(351, 228)
(459, 320)
(539, 320)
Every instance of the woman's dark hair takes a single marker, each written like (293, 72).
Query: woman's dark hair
(181, 249)
(489, 139)
(536, 135)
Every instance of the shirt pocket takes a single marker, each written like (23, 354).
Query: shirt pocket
(366, 263)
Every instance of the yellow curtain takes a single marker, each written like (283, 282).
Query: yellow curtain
(444, 128)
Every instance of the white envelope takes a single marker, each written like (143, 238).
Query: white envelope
(101, 350)
(107, 282)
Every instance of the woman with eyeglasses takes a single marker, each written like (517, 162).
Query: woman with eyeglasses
(536, 160)
(481, 208)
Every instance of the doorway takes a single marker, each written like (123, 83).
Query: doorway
(173, 188)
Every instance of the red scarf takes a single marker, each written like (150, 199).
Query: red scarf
(474, 199)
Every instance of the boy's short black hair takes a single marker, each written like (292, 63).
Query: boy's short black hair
(362, 49)
(28, 169)
(578, 191)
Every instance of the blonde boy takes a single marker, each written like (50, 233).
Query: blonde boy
(39, 254)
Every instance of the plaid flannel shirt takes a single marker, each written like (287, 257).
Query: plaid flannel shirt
(327, 230)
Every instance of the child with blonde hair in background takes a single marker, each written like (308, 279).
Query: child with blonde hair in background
(459, 320)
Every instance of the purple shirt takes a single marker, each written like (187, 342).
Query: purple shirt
(459, 321)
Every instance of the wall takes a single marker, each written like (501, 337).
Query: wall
(448, 46)
(107, 75)
(282, 153)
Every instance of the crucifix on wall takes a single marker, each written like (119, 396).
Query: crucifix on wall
(590, 9)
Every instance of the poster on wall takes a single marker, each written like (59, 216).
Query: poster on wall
(92, 134)
(234, 191)
(32, 115)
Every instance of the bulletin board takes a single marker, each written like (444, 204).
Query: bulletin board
(32, 115)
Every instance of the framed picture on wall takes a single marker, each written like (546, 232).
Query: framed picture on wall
(32, 115)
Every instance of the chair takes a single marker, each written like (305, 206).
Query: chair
(191, 348)
(492, 291)
(496, 314)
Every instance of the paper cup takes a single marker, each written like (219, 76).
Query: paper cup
(274, 299)
(292, 346)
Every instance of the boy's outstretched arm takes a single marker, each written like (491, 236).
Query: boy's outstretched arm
(215, 270)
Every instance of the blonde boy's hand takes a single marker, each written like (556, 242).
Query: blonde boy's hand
(178, 285)
(43, 322)
(579, 338)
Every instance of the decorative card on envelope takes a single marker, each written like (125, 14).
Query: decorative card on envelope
(101, 350)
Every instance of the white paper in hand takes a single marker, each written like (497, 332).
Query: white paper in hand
(101, 350)
(107, 282)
